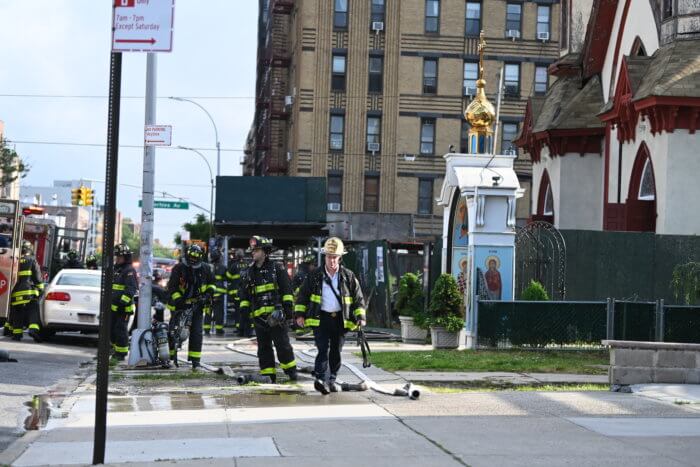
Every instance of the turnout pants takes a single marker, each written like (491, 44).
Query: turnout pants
(215, 319)
(329, 338)
(24, 316)
(278, 335)
(194, 352)
(119, 333)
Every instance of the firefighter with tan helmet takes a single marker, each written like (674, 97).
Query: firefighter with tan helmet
(331, 302)
(266, 293)
(24, 312)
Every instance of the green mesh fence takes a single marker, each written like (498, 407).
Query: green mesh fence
(635, 321)
(682, 324)
(541, 324)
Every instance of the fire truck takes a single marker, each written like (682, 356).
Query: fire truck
(50, 242)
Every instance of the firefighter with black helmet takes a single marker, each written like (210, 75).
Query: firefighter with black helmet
(331, 302)
(307, 265)
(191, 285)
(266, 294)
(215, 317)
(124, 288)
(72, 260)
(25, 295)
(237, 270)
(91, 262)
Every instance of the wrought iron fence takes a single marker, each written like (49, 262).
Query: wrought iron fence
(582, 324)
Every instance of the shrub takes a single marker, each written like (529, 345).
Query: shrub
(409, 301)
(446, 306)
(685, 282)
(535, 292)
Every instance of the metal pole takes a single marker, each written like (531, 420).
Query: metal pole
(498, 111)
(110, 208)
(149, 175)
(211, 180)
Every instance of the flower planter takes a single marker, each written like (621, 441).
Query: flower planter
(444, 339)
(410, 333)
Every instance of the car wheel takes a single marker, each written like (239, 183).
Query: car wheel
(47, 334)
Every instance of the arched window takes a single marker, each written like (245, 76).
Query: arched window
(638, 49)
(545, 201)
(548, 202)
(640, 209)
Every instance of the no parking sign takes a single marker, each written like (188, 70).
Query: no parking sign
(4, 284)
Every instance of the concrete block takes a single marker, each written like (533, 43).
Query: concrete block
(631, 375)
(692, 377)
(632, 357)
(670, 375)
(675, 359)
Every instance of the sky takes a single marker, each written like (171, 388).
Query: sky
(52, 48)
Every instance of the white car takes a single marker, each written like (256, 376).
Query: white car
(72, 302)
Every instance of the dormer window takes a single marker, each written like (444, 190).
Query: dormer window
(647, 187)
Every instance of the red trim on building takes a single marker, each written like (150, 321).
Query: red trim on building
(618, 41)
(623, 115)
(598, 35)
(606, 181)
(542, 194)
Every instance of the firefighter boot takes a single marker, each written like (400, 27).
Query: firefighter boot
(34, 333)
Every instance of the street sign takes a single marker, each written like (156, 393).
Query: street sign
(158, 135)
(142, 25)
(164, 204)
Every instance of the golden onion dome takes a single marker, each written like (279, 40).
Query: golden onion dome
(480, 113)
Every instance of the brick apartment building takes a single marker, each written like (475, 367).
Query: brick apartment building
(370, 94)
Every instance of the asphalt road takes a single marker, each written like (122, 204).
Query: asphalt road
(51, 366)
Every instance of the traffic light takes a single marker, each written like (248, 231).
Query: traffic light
(76, 197)
(89, 197)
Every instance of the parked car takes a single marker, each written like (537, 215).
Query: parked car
(72, 302)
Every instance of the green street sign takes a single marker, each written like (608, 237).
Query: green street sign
(163, 204)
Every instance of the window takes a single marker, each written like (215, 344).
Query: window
(667, 9)
(425, 196)
(427, 136)
(376, 78)
(471, 74)
(432, 16)
(508, 134)
(464, 138)
(335, 190)
(472, 25)
(543, 22)
(541, 80)
(514, 13)
(564, 36)
(337, 135)
(647, 188)
(430, 75)
(371, 201)
(338, 73)
(548, 202)
(377, 11)
(512, 81)
(374, 132)
(340, 14)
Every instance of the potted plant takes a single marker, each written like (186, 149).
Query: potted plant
(446, 313)
(409, 306)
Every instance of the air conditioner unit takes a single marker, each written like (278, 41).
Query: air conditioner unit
(543, 36)
(334, 206)
(469, 91)
(409, 157)
(513, 33)
(373, 147)
(377, 26)
(288, 101)
(289, 156)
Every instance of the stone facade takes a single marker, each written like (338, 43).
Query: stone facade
(296, 60)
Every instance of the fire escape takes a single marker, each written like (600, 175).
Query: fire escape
(271, 103)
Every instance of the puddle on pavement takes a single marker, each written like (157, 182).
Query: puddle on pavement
(269, 398)
(39, 412)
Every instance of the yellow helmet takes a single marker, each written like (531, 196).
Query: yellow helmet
(334, 247)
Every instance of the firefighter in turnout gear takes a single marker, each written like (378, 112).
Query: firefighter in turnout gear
(216, 313)
(72, 260)
(91, 262)
(190, 286)
(25, 295)
(266, 294)
(331, 302)
(237, 269)
(124, 288)
(306, 267)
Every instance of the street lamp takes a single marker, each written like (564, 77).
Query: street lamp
(211, 178)
(216, 131)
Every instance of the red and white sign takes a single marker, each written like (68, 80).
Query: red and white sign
(142, 25)
(158, 135)
(4, 284)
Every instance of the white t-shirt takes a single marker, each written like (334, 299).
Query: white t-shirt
(329, 302)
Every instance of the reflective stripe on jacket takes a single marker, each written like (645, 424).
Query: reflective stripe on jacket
(124, 287)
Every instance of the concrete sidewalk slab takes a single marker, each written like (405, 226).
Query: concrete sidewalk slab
(501, 377)
(644, 427)
(673, 393)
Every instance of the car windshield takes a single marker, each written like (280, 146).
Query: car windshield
(85, 280)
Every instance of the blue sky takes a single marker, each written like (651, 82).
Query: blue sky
(61, 48)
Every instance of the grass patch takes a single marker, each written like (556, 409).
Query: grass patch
(521, 388)
(517, 361)
(177, 376)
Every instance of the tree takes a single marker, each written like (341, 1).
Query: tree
(685, 282)
(11, 167)
(199, 230)
(129, 237)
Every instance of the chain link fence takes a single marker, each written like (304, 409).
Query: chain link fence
(581, 324)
